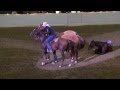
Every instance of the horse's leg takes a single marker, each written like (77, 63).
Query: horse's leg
(63, 57)
(42, 52)
(68, 49)
(72, 54)
(72, 57)
(76, 54)
(72, 47)
(48, 56)
(55, 56)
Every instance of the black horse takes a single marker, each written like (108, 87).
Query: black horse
(100, 47)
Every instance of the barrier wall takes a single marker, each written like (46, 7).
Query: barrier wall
(62, 19)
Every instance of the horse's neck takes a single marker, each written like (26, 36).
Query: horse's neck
(95, 43)
(41, 36)
(41, 40)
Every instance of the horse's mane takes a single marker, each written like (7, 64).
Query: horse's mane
(58, 34)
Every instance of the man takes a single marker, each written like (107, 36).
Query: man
(50, 35)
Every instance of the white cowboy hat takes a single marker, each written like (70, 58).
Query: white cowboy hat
(45, 24)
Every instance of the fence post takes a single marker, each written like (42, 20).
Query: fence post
(81, 18)
(67, 19)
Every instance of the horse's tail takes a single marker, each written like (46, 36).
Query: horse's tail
(68, 46)
(81, 43)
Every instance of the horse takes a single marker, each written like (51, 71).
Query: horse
(59, 43)
(77, 43)
(100, 47)
(43, 47)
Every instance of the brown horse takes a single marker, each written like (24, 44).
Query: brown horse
(61, 44)
(76, 43)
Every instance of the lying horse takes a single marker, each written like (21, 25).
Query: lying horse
(100, 47)
(60, 43)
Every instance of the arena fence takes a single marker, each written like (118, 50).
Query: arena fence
(62, 19)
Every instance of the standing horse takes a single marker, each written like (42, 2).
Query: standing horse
(76, 43)
(41, 38)
(61, 44)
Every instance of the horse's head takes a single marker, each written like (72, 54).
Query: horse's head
(91, 45)
(36, 33)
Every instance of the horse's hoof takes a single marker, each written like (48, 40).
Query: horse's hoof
(48, 59)
(60, 66)
(70, 65)
(43, 63)
(75, 62)
(53, 62)
(72, 60)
